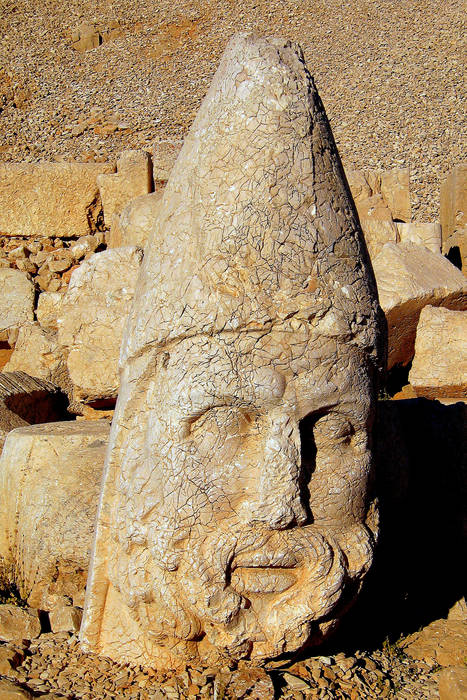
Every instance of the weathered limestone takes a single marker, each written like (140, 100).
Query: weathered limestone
(38, 353)
(92, 317)
(25, 400)
(48, 309)
(377, 234)
(453, 211)
(164, 156)
(410, 277)
(453, 683)
(236, 518)
(136, 221)
(50, 479)
(17, 623)
(50, 199)
(132, 179)
(439, 368)
(16, 302)
(376, 191)
(428, 235)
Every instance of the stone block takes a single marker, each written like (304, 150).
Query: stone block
(93, 314)
(65, 618)
(410, 277)
(136, 222)
(381, 193)
(164, 155)
(38, 353)
(11, 691)
(439, 368)
(377, 233)
(132, 179)
(48, 310)
(58, 200)
(50, 479)
(428, 235)
(18, 623)
(453, 202)
(16, 301)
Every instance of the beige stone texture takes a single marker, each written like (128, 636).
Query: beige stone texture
(132, 179)
(65, 618)
(381, 194)
(10, 691)
(93, 313)
(85, 38)
(10, 658)
(50, 479)
(428, 235)
(16, 301)
(50, 199)
(442, 641)
(377, 234)
(164, 156)
(439, 368)
(236, 515)
(25, 400)
(455, 246)
(410, 277)
(453, 683)
(453, 202)
(38, 353)
(136, 221)
(18, 623)
(48, 310)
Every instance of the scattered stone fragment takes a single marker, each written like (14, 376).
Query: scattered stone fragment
(410, 277)
(85, 38)
(16, 302)
(18, 623)
(50, 478)
(10, 658)
(48, 309)
(65, 618)
(439, 368)
(93, 314)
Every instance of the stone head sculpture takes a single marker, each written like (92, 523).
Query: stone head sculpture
(236, 514)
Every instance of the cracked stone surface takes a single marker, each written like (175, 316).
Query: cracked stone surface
(237, 518)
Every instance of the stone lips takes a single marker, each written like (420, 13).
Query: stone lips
(255, 311)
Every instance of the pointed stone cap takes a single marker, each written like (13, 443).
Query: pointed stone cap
(257, 224)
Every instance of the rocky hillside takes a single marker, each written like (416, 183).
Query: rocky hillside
(389, 75)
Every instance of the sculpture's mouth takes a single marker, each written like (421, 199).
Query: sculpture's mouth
(262, 580)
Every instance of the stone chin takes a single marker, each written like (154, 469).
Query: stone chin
(265, 593)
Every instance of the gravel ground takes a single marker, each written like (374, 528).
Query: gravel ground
(389, 73)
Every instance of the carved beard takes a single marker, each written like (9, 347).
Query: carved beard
(260, 593)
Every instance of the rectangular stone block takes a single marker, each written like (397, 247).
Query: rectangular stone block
(50, 199)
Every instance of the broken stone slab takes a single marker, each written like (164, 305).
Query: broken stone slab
(58, 200)
(25, 400)
(38, 353)
(455, 248)
(92, 318)
(410, 277)
(428, 235)
(132, 179)
(136, 221)
(442, 641)
(255, 334)
(453, 202)
(18, 623)
(16, 302)
(439, 368)
(12, 691)
(50, 479)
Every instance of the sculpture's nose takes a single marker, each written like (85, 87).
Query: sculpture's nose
(276, 501)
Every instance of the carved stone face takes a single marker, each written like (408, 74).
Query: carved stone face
(236, 515)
